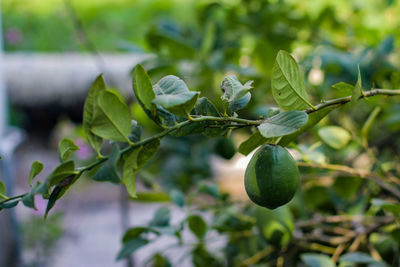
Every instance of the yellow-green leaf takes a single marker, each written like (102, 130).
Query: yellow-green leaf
(112, 119)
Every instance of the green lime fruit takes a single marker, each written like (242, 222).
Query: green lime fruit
(225, 148)
(272, 177)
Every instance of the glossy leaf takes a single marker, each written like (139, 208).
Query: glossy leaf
(334, 136)
(112, 119)
(197, 225)
(2, 191)
(36, 168)
(88, 113)
(134, 160)
(65, 148)
(173, 94)
(108, 171)
(235, 93)
(287, 83)
(316, 260)
(313, 119)
(143, 90)
(283, 123)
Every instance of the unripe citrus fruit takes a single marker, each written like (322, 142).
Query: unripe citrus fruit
(271, 177)
(225, 148)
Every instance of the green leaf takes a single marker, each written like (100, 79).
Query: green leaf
(136, 132)
(61, 172)
(197, 225)
(131, 247)
(152, 197)
(368, 123)
(235, 93)
(203, 107)
(344, 87)
(143, 90)
(2, 191)
(159, 260)
(357, 257)
(9, 205)
(65, 148)
(287, 83)
(108, 172)
(209, 189)
(357, 89)
(317, 260)
(161, 217)
(134, 160)
(173, 95)
(36, 168)
(52, 199)
(129, 170)
(254, 141)
(88, 113)
(136, 232)
(389, 206)
(283, 123)
(29, 199)
(334, 136)
(112, 119)
(313, 119)
(177, 197)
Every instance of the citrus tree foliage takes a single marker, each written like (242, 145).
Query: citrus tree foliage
(254, 234)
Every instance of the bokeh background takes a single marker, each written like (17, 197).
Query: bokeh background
(53, 50)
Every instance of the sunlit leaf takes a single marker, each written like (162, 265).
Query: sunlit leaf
(112, 119)
(36, 168)
(65, 148)
(143, 90)
(357, 89)
(287, 83)
(2, 191)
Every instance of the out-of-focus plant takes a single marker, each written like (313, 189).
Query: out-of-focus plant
(347, 211)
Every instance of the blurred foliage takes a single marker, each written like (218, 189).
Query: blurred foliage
(40, 238)
(342, 215)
